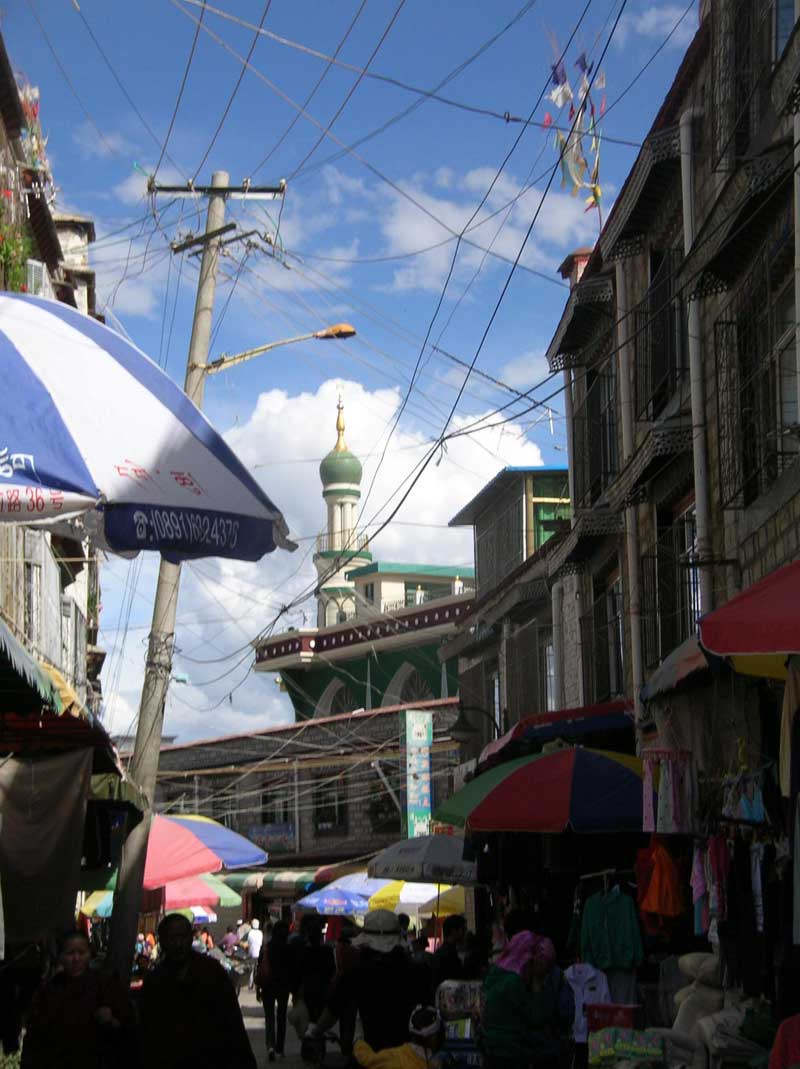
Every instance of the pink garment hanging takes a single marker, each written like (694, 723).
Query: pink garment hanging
(648, 809)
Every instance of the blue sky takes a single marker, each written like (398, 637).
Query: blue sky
(349, 239)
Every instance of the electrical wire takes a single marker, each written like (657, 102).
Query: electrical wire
(175, 110)
(451, 269)
(364, 162)
(232, 97)
(131, 102)
(295, 118)
(351, 91)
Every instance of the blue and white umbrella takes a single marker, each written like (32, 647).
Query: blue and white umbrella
(334, 902)
(90, 426)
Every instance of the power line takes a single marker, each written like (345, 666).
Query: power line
(364, 162)
(90, 119)
(314, 89)
(351, 90)
(451, 268)
(232, 97)
(131, 102)
(180, 91)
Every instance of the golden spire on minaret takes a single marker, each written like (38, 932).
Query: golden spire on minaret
(341, 445)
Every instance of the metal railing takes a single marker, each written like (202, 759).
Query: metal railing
(410, 601)
(346, 541)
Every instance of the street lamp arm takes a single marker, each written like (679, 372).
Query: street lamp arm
(462, 730)
(338, 330)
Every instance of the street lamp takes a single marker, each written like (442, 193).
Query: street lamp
(337, 331)
(463, 731)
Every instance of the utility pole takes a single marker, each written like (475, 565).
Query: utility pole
(143, 767)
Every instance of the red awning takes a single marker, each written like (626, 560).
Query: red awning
(565, 724)
(759, 628)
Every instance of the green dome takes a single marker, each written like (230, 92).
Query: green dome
(340, 467)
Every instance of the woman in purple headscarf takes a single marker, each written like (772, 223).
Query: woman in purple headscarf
(525, 1009)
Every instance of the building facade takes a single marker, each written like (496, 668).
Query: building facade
(380, 624)
(49, 580)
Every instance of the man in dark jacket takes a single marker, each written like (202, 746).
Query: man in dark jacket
(386, 985)
(447, 964)
(190, 1014)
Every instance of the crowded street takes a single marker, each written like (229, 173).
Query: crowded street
(400, 534)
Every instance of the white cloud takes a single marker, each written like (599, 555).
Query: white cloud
(224, 604)
(111, 144)
(525, 371)
(656, 22)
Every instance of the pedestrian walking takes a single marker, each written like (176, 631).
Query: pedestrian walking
(385, 985)
(313, 968)
(273, 985)
(78, 1019)
(255, 940)
(190, 1014)
(425, 1039)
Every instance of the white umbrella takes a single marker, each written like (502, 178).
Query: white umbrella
(92, 427)
(431, 858)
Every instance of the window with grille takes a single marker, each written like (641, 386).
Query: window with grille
(547, 676)
(330, 807)
(757, 381)
(660, 336)
(670, 585)
(595, 435)
(276, 806)
(33, 602)
(748, 38)
(602, 642)
(524, 673)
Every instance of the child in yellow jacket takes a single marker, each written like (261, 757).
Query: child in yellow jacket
(425, 1038)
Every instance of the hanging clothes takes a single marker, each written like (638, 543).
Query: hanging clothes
(672, 815)
(589, 988)
(610, 936)
(700, 890)
(664, 895)
(786, 1048)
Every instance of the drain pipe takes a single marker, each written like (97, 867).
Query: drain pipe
(699, 445)
(625, 376)
(568, 414)
(557, 604)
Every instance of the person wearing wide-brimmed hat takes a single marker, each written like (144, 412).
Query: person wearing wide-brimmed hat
(386, 985)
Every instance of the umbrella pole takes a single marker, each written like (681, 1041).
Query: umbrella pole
(144, 763)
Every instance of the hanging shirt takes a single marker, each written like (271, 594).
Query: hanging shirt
(610, 936)
(590, 988)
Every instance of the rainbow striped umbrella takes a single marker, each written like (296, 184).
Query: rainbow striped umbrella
(577, 788)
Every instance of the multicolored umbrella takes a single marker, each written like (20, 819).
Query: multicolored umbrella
(190, 845)
(335, 902)
(132, 455)
(577, 788)
(190, 892)
(406, 897)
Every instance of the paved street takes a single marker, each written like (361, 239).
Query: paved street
(254, 1020)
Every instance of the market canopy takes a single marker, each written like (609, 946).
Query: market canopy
(576, 788)
(434, 858)
(94, 428)
(189, 845)
(203, 890)
(26, 686)
(334, 901)
(685, 661)
(402, 896)
(568, 724)
(760, 628)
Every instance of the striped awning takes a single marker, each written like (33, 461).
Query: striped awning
(26, 687)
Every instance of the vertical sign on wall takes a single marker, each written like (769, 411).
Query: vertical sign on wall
(419, 737)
